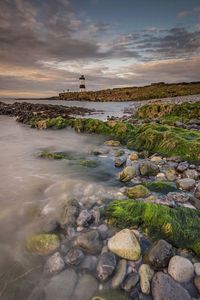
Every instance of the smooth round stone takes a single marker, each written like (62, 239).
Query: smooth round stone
(130, 281)
(193, 174)
(106, 265)
(146, 274)
(156, 158)
(85, 288)
(197, 283)
(125, 244)
(170, 174)
(197, 269)
(182, 166)
(119, 274)
(61, 286)
(54, 264)
(103, 230)
(89, 241)
(186, 184)
(159, 254)
(164, 287)
(181, 269)
(133, 156)
(42, 244)
(74, 257)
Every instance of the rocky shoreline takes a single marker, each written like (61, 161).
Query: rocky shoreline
(141, 242)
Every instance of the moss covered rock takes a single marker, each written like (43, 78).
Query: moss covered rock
(89, 163)
(180, 226)
(42, 243)
(160, 187)
(55, 155)
(138, 191)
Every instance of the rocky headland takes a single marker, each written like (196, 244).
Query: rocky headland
(143, 241)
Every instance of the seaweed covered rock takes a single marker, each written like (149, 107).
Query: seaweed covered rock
(138, 191)
(179, 226)
(42, 243)
(160, 187)
(148, 169)
(129, 172)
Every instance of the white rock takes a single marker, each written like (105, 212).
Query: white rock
(181, 269)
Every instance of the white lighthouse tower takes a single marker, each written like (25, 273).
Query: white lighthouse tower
(82, 83)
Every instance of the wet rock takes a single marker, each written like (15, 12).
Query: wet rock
(130, 282)
(186, 184)
(61, 286)
(125, 244)
(106, 265)
(85, 288)
(103, 230)
(70, 232)
(128, 173)
(197, 192)
(178, 197)
(193, 174)
(170, 174)
(42, 243)
(183, 166)
(55, 264)
(119, 274)
(69, 213)
(112, 143)
(146, 274)
(89, 263)
(74, 257)
(164, 287)
(161, 177)
(197, 283)
(84, 218)
(197, 269)
(89, 241)
(119, 152)
(181, 269)
(148, 169)
(159, 254)
(133, 156)
(119, 162)
(138, 191)
(156, 159)
(111, 295)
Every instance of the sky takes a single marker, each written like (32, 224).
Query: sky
(45, 45)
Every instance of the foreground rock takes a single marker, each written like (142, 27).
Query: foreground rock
(125, 245)
(181, 269)
(85, 288)
(164, 287)
(42, 243)
(61, 286)
(159, 254)
(89, 241)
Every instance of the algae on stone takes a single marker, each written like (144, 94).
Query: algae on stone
(180, 226)
(160, 187)
(138, 191)
(42, 243)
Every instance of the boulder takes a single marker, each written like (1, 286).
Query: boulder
(125, 244)
(89, 241)
(148, 169)
(106, 265)
(185, 184)
(42, 243)
(181, 269)
(165, 287)
(159, 254)
(138, 191)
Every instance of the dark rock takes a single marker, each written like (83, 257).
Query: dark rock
(74, 257)
(190, 173)
(130, 282)
(106, 265)
(148, 169)
(85, 288)
(84, 218)
(89, 241)
(120, 273)
(89, 263)
(103, 230)
(178, 197)
(183, 166)
(69, 213)
(166, 288)
(119, 162)
(159, 254)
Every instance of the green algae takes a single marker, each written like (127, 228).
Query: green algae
(138, 191)
(180, 226)
(55, 155)
(42, 243)
(89, 163)
(160, 187)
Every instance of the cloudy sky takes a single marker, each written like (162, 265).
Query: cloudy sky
(46, 44)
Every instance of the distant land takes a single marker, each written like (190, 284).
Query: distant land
(152, 91)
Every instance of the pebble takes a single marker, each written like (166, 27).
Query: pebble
(181, 269)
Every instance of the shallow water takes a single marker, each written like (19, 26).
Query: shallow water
(29, 185)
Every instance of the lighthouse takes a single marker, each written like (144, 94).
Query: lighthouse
(82, 83)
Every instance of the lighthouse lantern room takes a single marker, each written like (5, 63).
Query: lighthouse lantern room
(82, 83)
